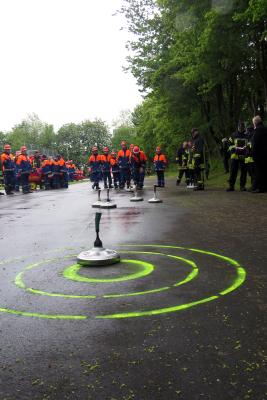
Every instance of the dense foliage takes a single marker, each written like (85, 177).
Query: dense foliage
(200, 63)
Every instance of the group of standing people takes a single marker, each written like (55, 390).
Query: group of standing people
(22, 170)
(191, 162)
(16, 170)
(117, 169)
(121, 169)
(247, 151)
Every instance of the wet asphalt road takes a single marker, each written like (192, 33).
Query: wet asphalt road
(176, 333)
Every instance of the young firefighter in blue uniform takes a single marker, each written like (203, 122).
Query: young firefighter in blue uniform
(8, 168)
(160, 163)
(124, 156)
(115, 169)
(105, 158)
(56, 173)
(94, 163)
(71, 170)
(46, 168)
(24, 168)
(138, 162)
(63, 173)
(17, 173)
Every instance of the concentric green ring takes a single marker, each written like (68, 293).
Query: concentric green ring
(193, 274)
(20, 283)
(238, 281)
(241, 276)
(72, 273)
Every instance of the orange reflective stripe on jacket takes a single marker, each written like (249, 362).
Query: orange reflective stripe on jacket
(105, 158)
(22, 158)
(141, 157)
(113, 161)
(124, 153)
(160, 157)
(61, 162)
(94, 158)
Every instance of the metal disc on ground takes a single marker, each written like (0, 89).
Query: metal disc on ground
(155, 199)
(108, 204)
(98, 256)
(98, 203)
(136, 197)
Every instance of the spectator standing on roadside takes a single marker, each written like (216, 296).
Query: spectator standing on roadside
(259, 152)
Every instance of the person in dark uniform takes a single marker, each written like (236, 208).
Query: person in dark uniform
(259, 152)
(160, 163)
(237, 149)
(95, 162)
(138, 162)
(8, 168)
(225, 154)
(249, 161)
(198, 159)
(182, 160)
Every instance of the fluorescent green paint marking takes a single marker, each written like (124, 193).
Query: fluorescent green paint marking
(191, 276)
(158, 311)
(67, 296)
(38, 315)
(241, 276)
(20, 283)
(72, 273)
(147, 268)
(137, 293)
(237, 282)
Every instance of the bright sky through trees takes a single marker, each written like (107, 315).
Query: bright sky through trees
(62, 59)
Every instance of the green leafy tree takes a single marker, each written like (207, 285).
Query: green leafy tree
(201, 63)
(75, 141)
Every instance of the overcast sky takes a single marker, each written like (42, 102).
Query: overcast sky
(62, 59)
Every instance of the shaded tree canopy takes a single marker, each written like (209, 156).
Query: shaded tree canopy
(200, 63)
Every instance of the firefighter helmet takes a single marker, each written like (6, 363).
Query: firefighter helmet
(136, 150)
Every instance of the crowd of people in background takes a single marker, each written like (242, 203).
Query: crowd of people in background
(118, 170)
(21, 171)
(125, 167)
(246, 151)
(128, 165)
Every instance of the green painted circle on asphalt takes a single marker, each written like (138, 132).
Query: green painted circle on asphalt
(237, 282)
(145, 269)
(193, 274)
(240, 279)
